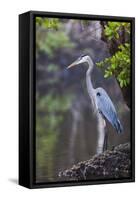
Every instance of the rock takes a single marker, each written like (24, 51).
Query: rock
(115, 163)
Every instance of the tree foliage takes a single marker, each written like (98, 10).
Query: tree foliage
(48, 23)
(53, 42)
(51, 36)
(118, 64)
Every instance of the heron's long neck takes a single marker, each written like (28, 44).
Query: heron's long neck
(89, 84)
(88, 78)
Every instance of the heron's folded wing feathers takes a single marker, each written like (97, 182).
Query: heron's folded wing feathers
(107, 109)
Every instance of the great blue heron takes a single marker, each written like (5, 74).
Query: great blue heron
(101, 103)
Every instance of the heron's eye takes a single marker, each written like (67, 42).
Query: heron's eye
(98, 94)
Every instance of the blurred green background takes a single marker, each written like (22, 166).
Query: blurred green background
(65, 127)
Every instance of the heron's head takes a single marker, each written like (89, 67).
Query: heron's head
(80, 60)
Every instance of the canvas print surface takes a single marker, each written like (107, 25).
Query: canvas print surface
(83, 99)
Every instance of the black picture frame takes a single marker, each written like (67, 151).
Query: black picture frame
(27, 98)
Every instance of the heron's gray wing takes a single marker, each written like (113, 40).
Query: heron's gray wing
(107, 109)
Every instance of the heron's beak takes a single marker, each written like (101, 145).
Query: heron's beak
(73, 64)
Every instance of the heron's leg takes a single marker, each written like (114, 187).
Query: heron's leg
(105, 141)
(105, 137)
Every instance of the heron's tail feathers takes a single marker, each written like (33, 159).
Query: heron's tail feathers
(118, 127)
